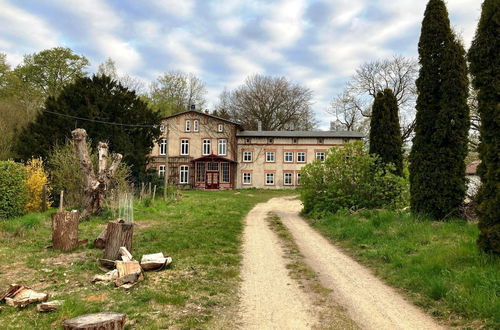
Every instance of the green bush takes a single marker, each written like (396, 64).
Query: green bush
(13, 189)
(351, 179)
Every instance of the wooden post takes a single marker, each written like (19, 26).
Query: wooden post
(61, 201)
(154, 192)
(118, 233)
(44, 198)
(101, 321)
(65, 230)
(149, 189)
(142, 190)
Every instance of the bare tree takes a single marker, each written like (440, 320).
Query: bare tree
(223, 105)
(108, 68)
(276, 102)
(176, 91)
(397, 73)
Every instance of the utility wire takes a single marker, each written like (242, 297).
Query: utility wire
(96, 121)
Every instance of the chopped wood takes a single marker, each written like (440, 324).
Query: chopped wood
(21, 296)
(101, 321)
(108, 277)
(107, 263)
(130, 278)
(118, 233)
(155, 261)
(126, 256)
(11, 291)
(49, 306)
(100, 241)
(65, 230)
(128, 272)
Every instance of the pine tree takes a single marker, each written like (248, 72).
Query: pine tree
(437, 158)
(485, 67)
(385, 134)
(96, 100)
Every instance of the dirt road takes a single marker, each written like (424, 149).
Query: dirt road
(272, 300)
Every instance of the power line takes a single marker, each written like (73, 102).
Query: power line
(97, 121)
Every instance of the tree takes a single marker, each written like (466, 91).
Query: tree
(50, 70)
(175, 92)
(485, 66)
(385, 134)
(276, 102)
(437, 166)
(108, 68)
(222, 107)
(93, 103)
(354, 102)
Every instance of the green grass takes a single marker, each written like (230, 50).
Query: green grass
(437, 264)
(201, 232)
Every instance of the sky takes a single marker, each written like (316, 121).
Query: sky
(316, 43)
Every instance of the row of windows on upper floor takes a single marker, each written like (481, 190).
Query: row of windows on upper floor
(288, 156)
(195, 127)
(206, 149)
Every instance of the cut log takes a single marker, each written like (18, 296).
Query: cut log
(100, 241)
(108, 277)
(126, 256)
(118, 233)
(65, 230)
(128, 272)
(10, 292)
(107, 263)
(49, 306)
(130, 278)
(24, 296)
(101, 321)
(155, 261)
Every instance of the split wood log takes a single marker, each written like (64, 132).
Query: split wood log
(107, 263)
(95, 186)
(49, 306)
(101, 321)
(118, 233)
(126, 256)
(100, 241)
(65, 230)
(128, 272)
(108, 277)
(155, 261)
(21, 296)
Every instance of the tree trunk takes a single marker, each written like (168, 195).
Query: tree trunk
(118, 233)
(101, 321)
(65, 230)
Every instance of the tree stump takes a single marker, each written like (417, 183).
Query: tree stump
(101, 321)
(118, 233)
(65, 230)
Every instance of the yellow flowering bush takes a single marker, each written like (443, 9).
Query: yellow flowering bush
(35, 180)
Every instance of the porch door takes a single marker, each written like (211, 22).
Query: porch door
(212, 181)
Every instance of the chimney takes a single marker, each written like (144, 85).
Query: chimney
(193, 107)
(206, 111)
(259, 126)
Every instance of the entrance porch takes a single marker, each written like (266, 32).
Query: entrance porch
(214, 172)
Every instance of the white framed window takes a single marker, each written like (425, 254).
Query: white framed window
(320, 155)
(247, 156)
(269, 178)
(162, 128)
(222, 147)
(184, 147)
(288, 157)
(184, 174)
(206, 147)
(196, 125)
(270, 157)
(225, 173)
(220, 128)
(161, 170)
(247, 178)
(297, 180)
(163, 147)
(301, 157)
(287, 179)
(188, 125)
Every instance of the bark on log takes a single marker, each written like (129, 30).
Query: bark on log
(118, 233)
(100, 241)
(101, 321)
(65, 230)
(49, 306)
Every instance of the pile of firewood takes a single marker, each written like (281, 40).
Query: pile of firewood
(21, 296)
(127, 271)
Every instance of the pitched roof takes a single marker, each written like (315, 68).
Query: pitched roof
(204, 114)
(323, 134)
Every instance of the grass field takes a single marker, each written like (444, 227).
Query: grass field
(201, 232)
(436, 264)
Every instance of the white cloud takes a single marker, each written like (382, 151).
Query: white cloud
(181, 8)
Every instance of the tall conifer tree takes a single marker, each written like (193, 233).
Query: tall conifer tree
(385, 134)
(485, 68)
(437, 178)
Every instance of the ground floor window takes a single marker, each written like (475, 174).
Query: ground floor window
(161, 170)
(287, 179)
(247, 178)
(200, 172)
(297, 182)
(184, 174)
(269, 178)
(320, 156)
(224, 172)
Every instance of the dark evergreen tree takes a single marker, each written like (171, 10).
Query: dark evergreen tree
(98, 99)
(385, 133)
(437, 167)
(485, 68)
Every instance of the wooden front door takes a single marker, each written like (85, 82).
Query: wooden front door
(212, 181)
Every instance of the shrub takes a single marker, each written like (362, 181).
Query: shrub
(13, 190)
(37, 177)
(64, 169)
(351, 178)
